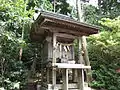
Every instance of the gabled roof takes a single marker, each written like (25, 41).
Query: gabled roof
(52, 22)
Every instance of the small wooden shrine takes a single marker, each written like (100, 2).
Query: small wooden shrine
(60, 69)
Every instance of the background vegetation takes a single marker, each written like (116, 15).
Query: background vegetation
(18, 54)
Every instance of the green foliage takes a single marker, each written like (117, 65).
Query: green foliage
(105, 9)
(104, 51)
(90, 14)
(14, 21)
(12, 70)
(32, 52)
(44, 4)
(63, 7)
(109, 8)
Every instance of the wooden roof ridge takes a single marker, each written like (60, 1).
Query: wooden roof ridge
(52, 15)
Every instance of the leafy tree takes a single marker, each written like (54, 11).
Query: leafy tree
(109, 8)
(14, 23)
(44, 5)
(91, 14)
(105, 9)
(63, 7)
(104, 50)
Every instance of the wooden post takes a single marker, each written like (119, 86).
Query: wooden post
(53, 62)
(86, 58)
(80, 79)
(80, 50)
(65, 79)
(75, 75)
(80, 72)
(80, 18)
(48, 75)
(42, 76)
(73, 53)
(74, 71)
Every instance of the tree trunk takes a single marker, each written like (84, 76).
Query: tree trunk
(84, 44)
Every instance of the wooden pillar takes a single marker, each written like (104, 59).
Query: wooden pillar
(42, 76)
(86, 58)
(80, 79)
(65, 79)
(80, 50)
(74, 71)
(75, 76)
(73, 52)
(48, 75)
(80, 71)
(53, 62)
